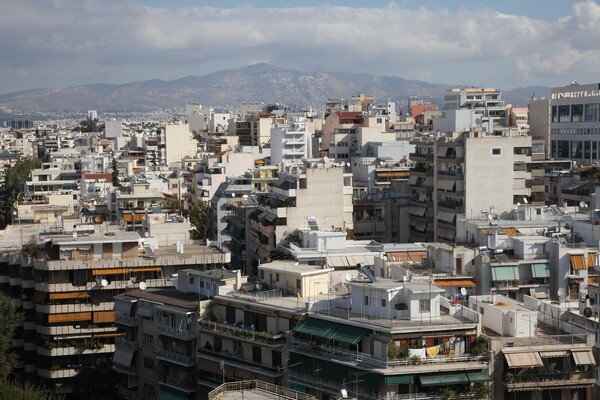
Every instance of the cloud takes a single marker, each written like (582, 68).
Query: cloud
(68, 42)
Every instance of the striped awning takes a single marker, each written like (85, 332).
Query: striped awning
(577, 261)
(444, 283)
(523, 360)
(583, 357)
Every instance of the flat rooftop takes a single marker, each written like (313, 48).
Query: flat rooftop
(255, 390)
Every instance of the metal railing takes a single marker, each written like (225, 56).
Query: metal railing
(175, 332)
(177, 357)
(126, 320)
(242, 332)
(259, 296)
(369, 359)
(186, 384)
(260, 386)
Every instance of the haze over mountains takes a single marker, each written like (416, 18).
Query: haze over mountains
(255, 83)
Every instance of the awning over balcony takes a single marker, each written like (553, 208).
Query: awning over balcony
(350, 334)
(317, 367)
(317, 327)
(523, 360)
(479, 376)
(442, 380)
(591, 259)
(583, 357)
(144, 311)
(446, 216)
(124, 306)
(577, 261)
(420, 211)
(68, 295)
(166, 394)
(505, 273)
(541, 270)
(398, 380)
(446, 184)
(450, 283)
(553, 354)
(123, 356)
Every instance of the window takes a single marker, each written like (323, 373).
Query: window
(298, 284)
(191, 281)
(496, 151)
(277, 277)
(366, 300)
(563, 114)
(262, 274)
(147, 338)
(201, 284)
(148, 363)
(424, 305)
(383, 302)
(256, 354)
(591, 112)
(577, 113)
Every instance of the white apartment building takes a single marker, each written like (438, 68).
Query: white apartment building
(290, 143)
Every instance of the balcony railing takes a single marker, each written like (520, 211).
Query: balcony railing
(126, 320)
(241, 332)
(275, 390)
(126, 344)
(368, 359)
(178, 358)
(176, 332)
(186, 384)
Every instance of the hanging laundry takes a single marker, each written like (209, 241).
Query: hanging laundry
(418, 353)
(433, 351)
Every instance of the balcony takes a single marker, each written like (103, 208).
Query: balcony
(56, 373)
(248, 334)
(177, 358)
(185, 384)
(175, 332)
(371, 361)
(551, 380)
(126, 320)
(131, 370)
(126, 344)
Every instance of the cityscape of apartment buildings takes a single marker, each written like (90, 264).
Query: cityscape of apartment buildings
(442, 251)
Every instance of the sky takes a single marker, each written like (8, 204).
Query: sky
(503, 44)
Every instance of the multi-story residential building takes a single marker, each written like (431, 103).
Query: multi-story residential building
(574, 122)
(56, 177)
(176, 142)
(66, 279)
(389, 339)
(466, 109)
(290, 143)
(465, 174)
(538, 351)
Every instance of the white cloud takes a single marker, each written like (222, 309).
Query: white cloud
(72, 42)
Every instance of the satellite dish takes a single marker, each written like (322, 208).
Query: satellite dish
(463, 291)
(490, 217)
(582, 204)
(146, 234)
(232, 194)
(326, 159)
(142, 286)
(518, 204)
(525, 201)
(587, 312)
(561, 292)
(104, 283)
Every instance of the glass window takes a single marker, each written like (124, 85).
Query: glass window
(591, 112)
(563, 114)
(496, 151)
(424, 305)
(563, 149)
(577, 113)
(554, 113)
(576, 149)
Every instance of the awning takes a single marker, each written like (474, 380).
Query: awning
(398, 380)
(123, 356)
(540, 270)
(340, 262)
(104, 317)
(591, 261)
(70, 317)
(165, 394)
(523, 360)
(442, 380)
(577, 261)
(144, 311)
(124, 306)
(69, 295)
(505, 273)
(412, 180)
(317, 327)
(109, 271)
(446, 283)
(479, 376)
(553, 354)
(510, 231)
(420, 226)
(583, 357)
(350, 334)
(446, 216)
(419, 211)
(408, 256)
(446, 184)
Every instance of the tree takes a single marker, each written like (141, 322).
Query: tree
(200, 219)
(115, 173)
(90, 125)
(98, 382)
(10, 318)
(11, 391)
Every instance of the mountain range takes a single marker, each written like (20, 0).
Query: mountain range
(227, 88)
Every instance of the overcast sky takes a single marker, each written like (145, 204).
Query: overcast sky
(509, 43)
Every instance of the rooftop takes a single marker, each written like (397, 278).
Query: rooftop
(255, 390)
(168, 296)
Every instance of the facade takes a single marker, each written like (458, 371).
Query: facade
(574, 122)
(465, 174)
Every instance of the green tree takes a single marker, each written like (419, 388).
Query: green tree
(115, 173)
(199, 217)
(13, 391)
(9, 320)
(98, 382)
(90, 125)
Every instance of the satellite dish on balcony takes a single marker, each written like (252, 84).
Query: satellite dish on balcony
(561, 293)
(103, 283)
(142, 286)
(349, 278)
(525, 201)
(583, 204)
(587, 312)
(463, 291)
